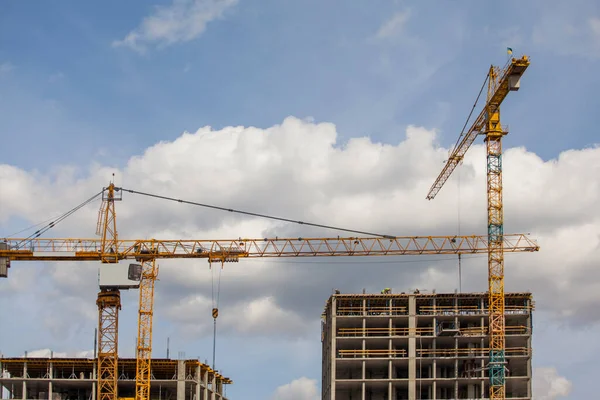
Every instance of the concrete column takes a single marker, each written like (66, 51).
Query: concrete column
(51, 374)
(364, 363)
(390, 357)
(529, 324)
(1, 376)
(24, 394)
(482, 387)
(455, 370)
(434, 346)
(180, 379)
(213, 385)
(94, 382)
(198, 382)
(205, 397)
(220, 389)
(412, 345)
(333, 354)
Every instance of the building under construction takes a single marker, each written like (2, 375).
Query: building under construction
(421, 346)
(75, 379)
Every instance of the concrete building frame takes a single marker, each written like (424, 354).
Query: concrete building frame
(75, 379)
(420, 346)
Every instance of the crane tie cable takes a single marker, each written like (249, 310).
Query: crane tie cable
(56, 221)
(462, 132)
(256, 214)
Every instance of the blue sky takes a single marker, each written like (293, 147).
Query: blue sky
(265, 60)
(75, 92)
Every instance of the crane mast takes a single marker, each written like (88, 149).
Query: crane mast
(493, 139)
(500, 82)
(108, 302)
(144, 339)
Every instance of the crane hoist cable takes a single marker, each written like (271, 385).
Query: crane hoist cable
(215, 305)
(458, 203)
(255, 214)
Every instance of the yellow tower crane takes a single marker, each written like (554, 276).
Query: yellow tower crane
(500, 82)
(109, 301)
(111, 249)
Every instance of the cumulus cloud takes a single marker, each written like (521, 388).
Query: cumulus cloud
(299, 170)
(299, 389)
(6, 67)
(595, 25)
(549, 385)
(394, 25)
(47, 353)
(261, 316)
(181, 21)
(567, 30)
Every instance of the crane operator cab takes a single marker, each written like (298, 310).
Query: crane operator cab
(120, 276)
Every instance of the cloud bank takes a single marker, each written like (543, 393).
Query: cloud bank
(299, 389)
(549, 385)
(299, 170)
(182, 21)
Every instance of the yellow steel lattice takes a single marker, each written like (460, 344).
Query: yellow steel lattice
(109, 304)
(144, 345)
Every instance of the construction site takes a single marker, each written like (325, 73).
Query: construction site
(393, 346)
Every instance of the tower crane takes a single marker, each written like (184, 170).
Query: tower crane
(111, 249)
(500, 82)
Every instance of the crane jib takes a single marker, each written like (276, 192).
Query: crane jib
(89, 249)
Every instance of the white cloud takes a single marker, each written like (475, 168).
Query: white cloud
(510, 37)
(57, 77)
(260, 316)
(429, 52)
(549, 385)
(394, 25)
(5, 68)
(182, 21)
(594, 23)
(566, 30)
(47, 353)
(299, 389)
(263, 315)
(298, 170)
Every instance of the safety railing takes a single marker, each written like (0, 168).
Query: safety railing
(471, 352)
(364, 332)
(386, 310)
(483, 331)
(470, 310)
(360, 310)
(373, 353)
(426, 331)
